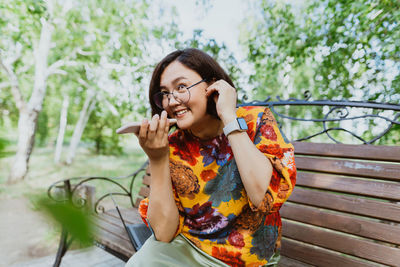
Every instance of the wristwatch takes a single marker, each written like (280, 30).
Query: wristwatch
(239, 124)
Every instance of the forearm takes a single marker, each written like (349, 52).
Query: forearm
(162, 212)
(254, 167)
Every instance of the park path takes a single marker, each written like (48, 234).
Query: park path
(25, 240)
(88, 257)
(23, 232)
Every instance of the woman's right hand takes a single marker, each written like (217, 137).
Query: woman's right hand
(153, 137)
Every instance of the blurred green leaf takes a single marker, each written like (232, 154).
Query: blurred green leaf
(77, 221)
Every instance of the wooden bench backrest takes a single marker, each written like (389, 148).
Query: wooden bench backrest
(144, 190)
(345, 208)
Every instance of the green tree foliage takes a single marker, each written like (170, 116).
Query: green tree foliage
(335, 49)
(219, 52)
(3, 144)
(7, 108)
(42, 129)
(101, 129)
(96, 45)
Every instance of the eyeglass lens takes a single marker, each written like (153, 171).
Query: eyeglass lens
(162, 99)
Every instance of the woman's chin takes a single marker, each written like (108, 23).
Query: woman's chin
(182, 125)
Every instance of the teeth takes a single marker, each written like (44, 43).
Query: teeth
(181, 112)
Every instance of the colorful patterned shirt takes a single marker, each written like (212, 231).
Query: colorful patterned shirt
(215, 211)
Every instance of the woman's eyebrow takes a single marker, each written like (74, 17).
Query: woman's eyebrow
(174, 82)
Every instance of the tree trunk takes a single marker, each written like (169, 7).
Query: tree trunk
(61, 130)
(29, 113)
(26, 138)
(88, 107)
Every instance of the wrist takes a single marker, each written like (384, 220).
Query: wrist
(228, 119)
(235, 125)
(159, 160)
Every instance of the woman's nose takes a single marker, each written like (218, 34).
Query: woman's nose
(173, 101)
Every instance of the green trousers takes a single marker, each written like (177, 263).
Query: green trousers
(180, 252)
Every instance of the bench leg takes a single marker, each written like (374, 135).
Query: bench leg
(62, 248)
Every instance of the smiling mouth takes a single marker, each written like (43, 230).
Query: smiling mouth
(180, 113)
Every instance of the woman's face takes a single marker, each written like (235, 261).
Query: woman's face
(192, 114)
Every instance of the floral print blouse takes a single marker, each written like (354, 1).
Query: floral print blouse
(215, 211)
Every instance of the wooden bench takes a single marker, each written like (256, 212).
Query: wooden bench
(344, 211)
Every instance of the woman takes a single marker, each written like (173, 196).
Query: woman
(219, 180)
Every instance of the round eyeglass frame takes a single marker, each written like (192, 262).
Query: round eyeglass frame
(158, 97)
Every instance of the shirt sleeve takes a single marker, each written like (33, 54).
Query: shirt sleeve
(266, 135)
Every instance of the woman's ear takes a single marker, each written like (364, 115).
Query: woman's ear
(211, 81)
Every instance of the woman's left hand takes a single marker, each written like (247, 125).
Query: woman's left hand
(225, 99)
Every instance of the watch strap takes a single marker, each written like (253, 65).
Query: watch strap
(234, 126)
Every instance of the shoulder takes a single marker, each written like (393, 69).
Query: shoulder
(253, 113)
(243, 111)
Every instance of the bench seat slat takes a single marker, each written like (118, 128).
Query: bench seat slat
(130, 215)
(354, 205)
(110, 233)
(289, 262)
(342, 243)
(115, 220)
(112, 228)
(348, 224)
(387, 171)
(318, 256)
(374, 188)
(109, 219)
(111, 241)
(367, 152)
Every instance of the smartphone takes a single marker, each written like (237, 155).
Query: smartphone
(134, 127)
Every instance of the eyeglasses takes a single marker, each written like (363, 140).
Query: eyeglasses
(181, 95)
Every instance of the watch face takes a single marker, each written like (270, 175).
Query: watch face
(242, 123)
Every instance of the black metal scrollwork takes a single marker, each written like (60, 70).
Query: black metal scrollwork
(336, 111)
(66, 190)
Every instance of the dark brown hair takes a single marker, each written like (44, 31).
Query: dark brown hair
(196, 60)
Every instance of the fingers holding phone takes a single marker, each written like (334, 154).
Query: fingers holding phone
(152, 135)
(153, 127)
(141, 130)
(164, 125)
